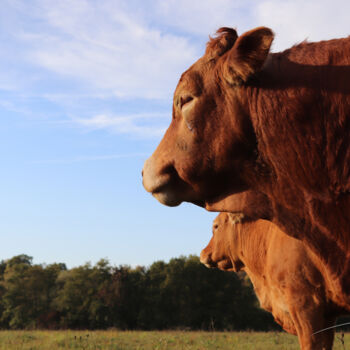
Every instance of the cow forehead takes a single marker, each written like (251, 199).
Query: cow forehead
(221, 219)
(191, 82)
(193, 79)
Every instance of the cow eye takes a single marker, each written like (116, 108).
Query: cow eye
(216, 226)
(184, 100)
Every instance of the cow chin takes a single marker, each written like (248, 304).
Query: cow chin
(168, 198)
(173, 196)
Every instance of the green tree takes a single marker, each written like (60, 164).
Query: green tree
(27, 292)
(179, 294)
(124, 297)
(78, 297)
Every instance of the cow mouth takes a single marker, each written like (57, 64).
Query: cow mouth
(169, 190)
(224, 264)
(166, 195)
(161, 188)
(172, 191)
(167, 186)
(209, 266)
(207, 262)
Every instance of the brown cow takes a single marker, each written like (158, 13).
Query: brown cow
(289, 280)
(276, 125)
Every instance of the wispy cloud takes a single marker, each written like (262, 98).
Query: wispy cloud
(204, 17)
(106, 46)
(124, 51)
(296, 20)
(80, 159)
(142, 125)
(135, 49)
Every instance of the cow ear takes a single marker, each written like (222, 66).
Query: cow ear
(248, 55)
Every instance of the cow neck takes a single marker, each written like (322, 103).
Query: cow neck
(251, 245)
(319, 197)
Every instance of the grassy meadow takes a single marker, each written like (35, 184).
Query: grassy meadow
(138, 340)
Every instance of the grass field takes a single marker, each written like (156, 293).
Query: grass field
(116, 340)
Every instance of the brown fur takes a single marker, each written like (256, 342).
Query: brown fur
(224, 40)
(277, 125)
(289, 280)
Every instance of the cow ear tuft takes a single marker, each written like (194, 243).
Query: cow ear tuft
(223, 41)
(236, 218)
(248, 55)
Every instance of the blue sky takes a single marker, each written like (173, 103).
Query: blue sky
(85, 95)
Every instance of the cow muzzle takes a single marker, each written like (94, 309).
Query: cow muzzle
(160, 184)
(206, 260)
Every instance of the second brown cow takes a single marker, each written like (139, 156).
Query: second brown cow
(289, 280)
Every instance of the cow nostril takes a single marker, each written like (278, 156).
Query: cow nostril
(142, 172)
(169, 169)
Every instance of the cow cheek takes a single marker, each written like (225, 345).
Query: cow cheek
(188, 162)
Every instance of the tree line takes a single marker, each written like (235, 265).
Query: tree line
(180, 294)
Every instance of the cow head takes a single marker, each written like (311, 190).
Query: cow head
(210, 146)
(222, 251)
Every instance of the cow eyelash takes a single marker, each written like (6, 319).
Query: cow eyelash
(184, 100)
